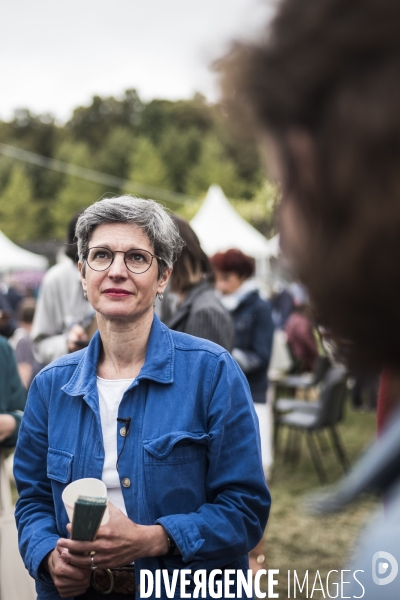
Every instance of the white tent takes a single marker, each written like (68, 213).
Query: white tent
(219, 227)
(14, 258)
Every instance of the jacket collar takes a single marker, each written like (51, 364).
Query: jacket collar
(248, 288)
(158, 365)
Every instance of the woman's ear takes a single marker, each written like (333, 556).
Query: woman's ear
(162, 282)
(82, 275)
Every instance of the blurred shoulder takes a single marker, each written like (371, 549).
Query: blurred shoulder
(5, 347)
(60, 271)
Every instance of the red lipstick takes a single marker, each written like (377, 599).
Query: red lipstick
(117, 292)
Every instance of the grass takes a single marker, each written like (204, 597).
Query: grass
(297, 540)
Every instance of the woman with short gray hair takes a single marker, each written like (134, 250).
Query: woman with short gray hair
(163, 418)
(162, 232)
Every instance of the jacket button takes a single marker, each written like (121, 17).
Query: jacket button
(122, 431)
(126, 482)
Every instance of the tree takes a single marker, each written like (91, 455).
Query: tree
(114, 155)
(76, 193)
(19, 214)
(39, 134)
(261, 211)
(95, 122)
(180, 151)
(148, 166)
(213, 166)
(159, 115)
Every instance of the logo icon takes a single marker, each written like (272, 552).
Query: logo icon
(380, 567)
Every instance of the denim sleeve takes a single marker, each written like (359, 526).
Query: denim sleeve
(234, 518)
(34, 512)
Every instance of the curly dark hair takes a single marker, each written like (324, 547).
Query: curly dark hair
(234, 261)
(330, 69)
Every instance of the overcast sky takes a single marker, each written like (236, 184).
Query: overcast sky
(56, 55)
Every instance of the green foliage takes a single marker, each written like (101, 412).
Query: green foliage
(6, 167)
(41, 135)
(75, 193)
(179, 150)
(148, 166)
(213, 166)
(17, 207)
(95, 122)
(113, 156)
(159, 115)
(261, 211)
(182, 146)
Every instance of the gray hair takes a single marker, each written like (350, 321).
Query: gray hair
(146, 214)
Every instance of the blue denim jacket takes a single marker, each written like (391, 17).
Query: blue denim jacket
(192, 454)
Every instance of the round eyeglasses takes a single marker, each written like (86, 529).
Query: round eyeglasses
(136, 260)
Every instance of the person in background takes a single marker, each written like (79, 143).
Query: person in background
(251, 317)
(301, 339)
(199, 310)
(252, 347)
(8, 322)
(12, 295)
(282, 304)
(62, 312)
(12, 396)
(22, 344)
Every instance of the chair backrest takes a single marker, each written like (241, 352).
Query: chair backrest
(321, 367)
(332, 397)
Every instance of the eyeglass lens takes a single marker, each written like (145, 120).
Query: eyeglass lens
(137, 261)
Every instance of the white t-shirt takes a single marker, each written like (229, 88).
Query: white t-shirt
(111, 392)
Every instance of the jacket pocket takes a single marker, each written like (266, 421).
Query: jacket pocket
(59, 465)
(176, 448)
(175, 472)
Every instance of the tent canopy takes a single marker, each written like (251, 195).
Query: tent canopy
(14, 258)
(219, 227)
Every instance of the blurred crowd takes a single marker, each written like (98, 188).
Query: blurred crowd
(217, 298)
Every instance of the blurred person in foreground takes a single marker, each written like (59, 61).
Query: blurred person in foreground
(165, 419)
(199, 311)
(22, 344)
(323, 88)
(62, 312)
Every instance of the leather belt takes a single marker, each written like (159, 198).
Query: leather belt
(120, 581)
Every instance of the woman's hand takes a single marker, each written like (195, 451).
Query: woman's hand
(118, 543)
(68, 579)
